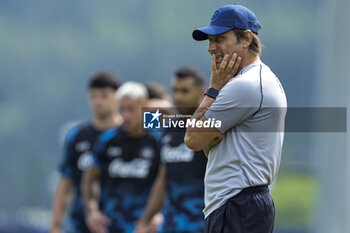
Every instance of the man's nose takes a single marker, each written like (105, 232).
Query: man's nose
(177, 96)
(211, 46)
(125, 115)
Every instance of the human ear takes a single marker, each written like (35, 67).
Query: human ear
(248, 38)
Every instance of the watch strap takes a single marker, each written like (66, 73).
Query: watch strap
(211, 92)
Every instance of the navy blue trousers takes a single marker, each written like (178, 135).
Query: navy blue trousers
(250, 211)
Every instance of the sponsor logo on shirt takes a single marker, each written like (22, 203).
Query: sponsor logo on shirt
(82, 146)
(181, 153)
(147, 152)
(137, 168)
(114, 151)
(166, 139)
(85, 160)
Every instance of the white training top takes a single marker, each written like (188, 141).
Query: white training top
(252, 108)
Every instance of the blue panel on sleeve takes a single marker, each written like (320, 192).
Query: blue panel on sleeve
(72, 133)
(100, 146)
(108, 135)
(66, 172)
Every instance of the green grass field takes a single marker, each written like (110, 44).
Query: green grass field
(295, 197)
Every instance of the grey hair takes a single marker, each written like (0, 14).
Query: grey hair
(132, 90)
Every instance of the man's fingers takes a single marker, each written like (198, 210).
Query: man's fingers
(215, 141)
(96, 227)
(231, 62)
(213, 62)
(223, 63)
(98, 224)
(101, 227)
(221, 136)
(234, 70)
(139, 229)
(105, 220)
(91, 226)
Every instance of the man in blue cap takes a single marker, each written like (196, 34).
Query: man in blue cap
(244, 150)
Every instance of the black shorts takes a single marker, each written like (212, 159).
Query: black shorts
(250, 211)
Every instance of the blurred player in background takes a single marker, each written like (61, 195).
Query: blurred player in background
(157, 91)
(125, 164)
(77, 151)
(159, 99)
(182, 170)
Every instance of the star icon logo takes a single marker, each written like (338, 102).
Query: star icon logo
(151, 119)
(156, 115)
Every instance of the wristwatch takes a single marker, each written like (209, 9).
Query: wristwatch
(211, 92)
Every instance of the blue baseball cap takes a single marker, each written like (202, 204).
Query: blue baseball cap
(226, 18)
